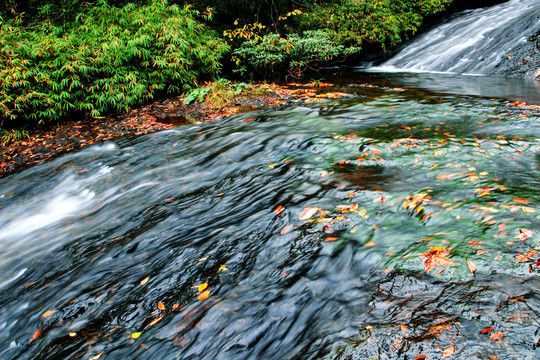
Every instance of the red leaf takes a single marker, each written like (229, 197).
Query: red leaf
(420, 357)
(486, 330)
(278, 209)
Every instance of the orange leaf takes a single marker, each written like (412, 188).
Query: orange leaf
(48, 313)
(496, 336)
(203, 295)
(145, 280)
(160, 306)
(502, 227)
(36, 335)
(155, 321)
(449, 351)
(330, 238)
(369, 244)
(486, 330)
(521, 201)
(286, 229)
(420, 357)
(278, 209)
(436, 257)
(97, 356)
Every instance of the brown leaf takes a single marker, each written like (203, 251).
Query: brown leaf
(449, 351)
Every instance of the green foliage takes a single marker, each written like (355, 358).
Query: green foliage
(294, 54)
(13, 135)
(381, 21)
(110, 60)
(197, 94)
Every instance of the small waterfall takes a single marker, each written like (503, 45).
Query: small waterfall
(479, 42)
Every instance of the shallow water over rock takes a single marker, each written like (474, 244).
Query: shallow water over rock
(310, 226)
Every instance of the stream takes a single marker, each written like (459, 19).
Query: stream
(394, 217)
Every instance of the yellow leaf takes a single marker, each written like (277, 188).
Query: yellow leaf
(145, 280)
(472, 266)
(202, 287)
(527, 209)
(136, 335)
(362, 212)
(72, 334)
(222, 268)
(97, 356)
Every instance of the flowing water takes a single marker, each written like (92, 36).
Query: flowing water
(312, 227)
(476, 41)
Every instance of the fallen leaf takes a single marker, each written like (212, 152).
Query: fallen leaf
(278, 209)
(496, 336)
(436, 257)
(136, 335)
(203, 295)
(97, 356)
(329, 229)
(502, 227)
(449, 351)
(222, 268)
(161, 306)
(155, 321)
(471, 265)
(202, 287)
(369, 244)
(286, 229)
(524, 234)
(524, 257)
(331, 238)
(308, 212)
(145, 280)
(48, 313)
(36, 335)
(521, 201)
(420, 357)
(487, 330)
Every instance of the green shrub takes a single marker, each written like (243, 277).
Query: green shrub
(109, 60)
(272, 55)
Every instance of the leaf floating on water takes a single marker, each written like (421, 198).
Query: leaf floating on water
(222, 268)
(48, 313)
(278, 209)
(97, 356)
(203, 295)
(471, 265)
(496, 336)
(155, 321)
(329, 229)
(72, 334)
(449, 351)
(286, 229)
(308, 212)
(145, 280)
(524, 234)
(527, 209)
(420, 357)
(436, 257)
(202, 287)
(524, 257)
(331, 238)
(521, 201)
(161, 306)
(487, 330)
(369, 244)
(136, 335)
(36, 335)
